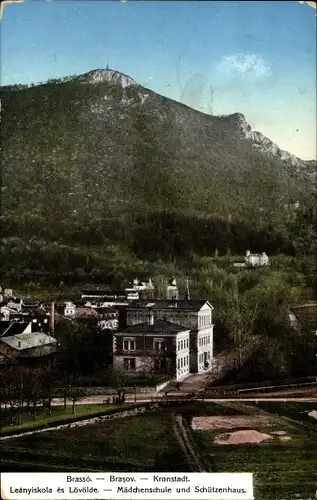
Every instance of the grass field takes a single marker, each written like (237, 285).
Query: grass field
(295, 411)
(282, 470)
(141, 443)
(58, 413)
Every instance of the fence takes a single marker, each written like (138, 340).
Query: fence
(110, 391)
(275, 383)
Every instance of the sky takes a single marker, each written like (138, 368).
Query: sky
(257, 58)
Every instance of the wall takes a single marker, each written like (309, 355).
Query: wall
(143, 364)
(204, 348)
(182, 354)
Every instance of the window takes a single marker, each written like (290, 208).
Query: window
(178, 346)
(129, 363)
(181, 362)
(128, 345)
(178, 364)
(187, 343)
(157, 344)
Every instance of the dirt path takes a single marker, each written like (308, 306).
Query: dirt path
(184, 441)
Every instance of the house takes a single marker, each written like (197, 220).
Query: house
(153, 346)
(26, 345)
(15, 304)
(193, 316)
(256, 260)
(102, 294)
(304, 316)
(172, 290)
(5, 312)
(140, 290)
(109, 318)
(25, 325)
(86, 313)
(70, 309)
(9, 328)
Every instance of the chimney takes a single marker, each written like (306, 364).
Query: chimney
(187, 294)
(52, 319)
(151, 318)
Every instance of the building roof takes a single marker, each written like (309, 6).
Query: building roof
(106, 310)
(102, 293)
(31, 302)
(35, 352)
(9, 328)
(86, 312)
(306, 314)
(24, 341)
(159, 326)
(4, 325)
(186, 305)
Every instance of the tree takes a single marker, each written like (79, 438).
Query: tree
(240, 318)
(33, 388)
(86, 347)
(16, 394)
(48, 373)
(75, 394)
(117, 378)
(6, 389)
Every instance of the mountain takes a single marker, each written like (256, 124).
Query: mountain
(99, 148)
(263, 143)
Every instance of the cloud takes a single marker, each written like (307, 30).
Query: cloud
(250, 68)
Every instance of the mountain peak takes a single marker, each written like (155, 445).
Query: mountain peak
(106, 75)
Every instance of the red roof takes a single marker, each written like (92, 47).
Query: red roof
(85, 312)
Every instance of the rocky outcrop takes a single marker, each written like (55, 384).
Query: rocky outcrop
(107, 75)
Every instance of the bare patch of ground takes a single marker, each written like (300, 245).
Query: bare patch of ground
(279, 433)
(313, 414)
(211, 422)
(243, 437)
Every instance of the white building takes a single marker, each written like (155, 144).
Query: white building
(70, 310)
(138, 288)
(256, 260)
(172, 290)
(193, 318)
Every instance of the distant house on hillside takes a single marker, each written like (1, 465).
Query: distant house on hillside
(253, 260)
(256, 260)
(100, 295)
